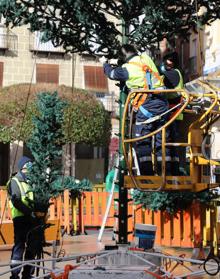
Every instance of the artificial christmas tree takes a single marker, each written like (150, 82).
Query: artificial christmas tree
(95, 26)
(46, 174)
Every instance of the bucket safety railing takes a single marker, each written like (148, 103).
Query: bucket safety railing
(205, 117)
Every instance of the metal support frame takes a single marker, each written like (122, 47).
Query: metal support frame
(110, 198)
(93, 257)
(196, 181)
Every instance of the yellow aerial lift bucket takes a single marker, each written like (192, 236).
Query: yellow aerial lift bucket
(197, 180)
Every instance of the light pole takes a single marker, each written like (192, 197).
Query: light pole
(123, 192)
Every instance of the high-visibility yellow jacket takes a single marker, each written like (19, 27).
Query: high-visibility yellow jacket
(136, 68)
(26, 197)
(171, 96)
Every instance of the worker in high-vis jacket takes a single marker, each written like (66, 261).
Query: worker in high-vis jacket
(21, 199)
(173, 79)
(138, 72)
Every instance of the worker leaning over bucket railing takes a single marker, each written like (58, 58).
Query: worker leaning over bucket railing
(139, 72)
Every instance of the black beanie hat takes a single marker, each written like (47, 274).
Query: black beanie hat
(24, 160)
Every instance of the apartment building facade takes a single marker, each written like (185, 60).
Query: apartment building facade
(204, 63)
(203, 54)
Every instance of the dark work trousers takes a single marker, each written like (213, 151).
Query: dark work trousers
(22, 245)
(155, 105)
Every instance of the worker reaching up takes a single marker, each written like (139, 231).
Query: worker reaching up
(173, 80)
(138, 72)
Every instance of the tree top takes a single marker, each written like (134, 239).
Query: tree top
(96, 25)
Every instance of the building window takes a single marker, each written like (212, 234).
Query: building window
(85, 151)
(95, 79)
(38, 46)
(1, 73)
(27, 152)
(194, 48)
(47, 73)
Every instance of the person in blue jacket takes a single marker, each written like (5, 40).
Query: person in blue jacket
(132, 74)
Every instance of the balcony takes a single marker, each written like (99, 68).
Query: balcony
(8, 40)
(37, 46)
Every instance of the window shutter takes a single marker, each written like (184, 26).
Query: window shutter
(95, 78)
(47, 73)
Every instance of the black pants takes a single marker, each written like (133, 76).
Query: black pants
(22, 248)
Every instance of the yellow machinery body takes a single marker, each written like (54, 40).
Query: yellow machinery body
(196, 180)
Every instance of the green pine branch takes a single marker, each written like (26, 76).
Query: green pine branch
(172, 202)
(77, 24)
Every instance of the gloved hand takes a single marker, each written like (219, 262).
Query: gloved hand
(162, 68)
(33, 215)
(114, 61)
(103, 59)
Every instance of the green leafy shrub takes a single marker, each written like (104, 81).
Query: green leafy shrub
(85, 119)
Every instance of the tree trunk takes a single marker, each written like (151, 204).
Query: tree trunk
(69, 160)
(73, 159)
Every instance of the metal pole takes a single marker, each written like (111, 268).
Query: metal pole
(53, 263)
(123, 192)
(110, 198)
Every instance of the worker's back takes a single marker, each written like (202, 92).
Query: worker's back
(137, 73)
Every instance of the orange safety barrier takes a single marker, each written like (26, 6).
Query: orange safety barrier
(185, 229)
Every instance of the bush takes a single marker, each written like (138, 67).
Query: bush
(85, 119)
